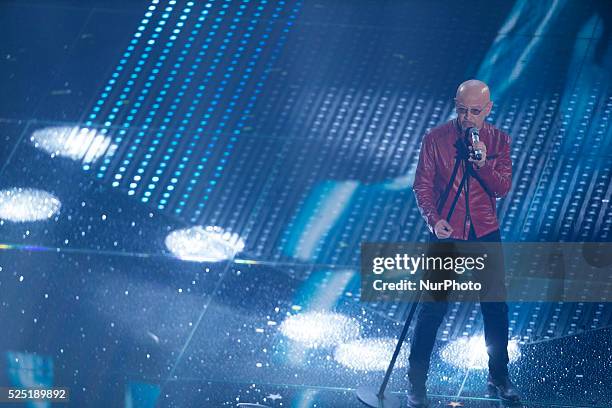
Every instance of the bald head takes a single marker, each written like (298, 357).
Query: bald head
(473, 92)
(473, 96)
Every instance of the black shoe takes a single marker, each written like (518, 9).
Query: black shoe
(417, 397)
(504, 389)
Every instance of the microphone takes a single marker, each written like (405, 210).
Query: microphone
(475, 138)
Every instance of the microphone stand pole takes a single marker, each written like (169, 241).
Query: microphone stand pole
(381, 399)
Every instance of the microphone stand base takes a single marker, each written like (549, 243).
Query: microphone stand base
(369, 396)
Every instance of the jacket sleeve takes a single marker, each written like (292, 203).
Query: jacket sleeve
(498, 179)
(424, 181)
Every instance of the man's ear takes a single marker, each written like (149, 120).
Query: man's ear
(489, 107)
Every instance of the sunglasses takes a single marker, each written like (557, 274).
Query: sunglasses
(462, 110)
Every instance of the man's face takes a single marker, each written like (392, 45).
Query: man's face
(471, 113)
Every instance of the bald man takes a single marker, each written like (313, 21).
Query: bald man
(456, 191)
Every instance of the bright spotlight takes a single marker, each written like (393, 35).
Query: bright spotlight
(320, 329)
(371, 354)
(472, 352)
(27, 204)
(210, 244)
(72, 142)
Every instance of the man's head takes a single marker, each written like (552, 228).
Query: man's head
(472, 103)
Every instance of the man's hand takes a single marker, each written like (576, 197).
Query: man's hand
(483, 148)
(442, 229)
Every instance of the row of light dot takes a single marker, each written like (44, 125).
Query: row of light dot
(122, 99)
(297, 163)
(567, 169)
(522, 164)
(553, 313)
(167, 156)
(606, 227)
(572, 171)
(144, 91)
(532, 147)
(588, 175)
(96, 110)
(214, 101)
(296, 171)
(522, 187)
(307, 107)
(220, 128)
(167, 83)
(314, 168)
(172, 109)
(152, 112)
(258, 89)
(578, 315)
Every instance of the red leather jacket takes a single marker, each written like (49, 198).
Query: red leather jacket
(493, 180)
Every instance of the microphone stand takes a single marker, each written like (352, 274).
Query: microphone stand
(380, 398)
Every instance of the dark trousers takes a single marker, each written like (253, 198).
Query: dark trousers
(430, 316)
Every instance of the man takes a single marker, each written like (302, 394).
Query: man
(461, 210)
